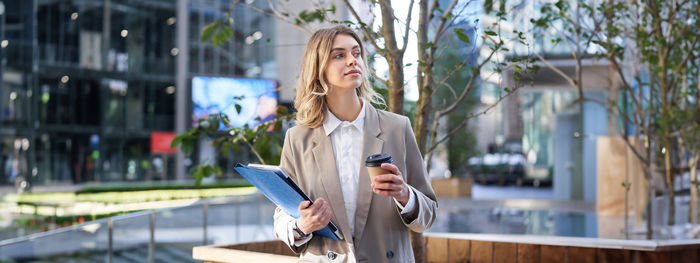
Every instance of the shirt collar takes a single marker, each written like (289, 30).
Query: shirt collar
(332, 122)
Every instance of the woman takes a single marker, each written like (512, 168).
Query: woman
(337, 128)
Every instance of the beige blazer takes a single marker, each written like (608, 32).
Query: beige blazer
(381, 233)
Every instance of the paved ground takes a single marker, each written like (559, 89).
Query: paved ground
(494, 192)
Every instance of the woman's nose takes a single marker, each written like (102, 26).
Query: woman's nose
(351, 60)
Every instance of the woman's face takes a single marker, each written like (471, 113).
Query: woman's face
(344, 68)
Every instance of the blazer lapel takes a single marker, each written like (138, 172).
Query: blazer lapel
(325, 162)
(371, 144)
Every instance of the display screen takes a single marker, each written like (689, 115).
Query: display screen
(211, 95)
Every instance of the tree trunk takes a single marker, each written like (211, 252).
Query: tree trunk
(421, 114)
(396, 83)
(394, 57)
(693, 213)
(669, 184)
(420, 128)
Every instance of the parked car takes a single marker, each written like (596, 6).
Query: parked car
(500, 168)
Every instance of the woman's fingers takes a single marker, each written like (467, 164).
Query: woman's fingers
(314, 217)
(394, 194)
(388, 182)
(388, 187)
(391, 168)
(303, 205)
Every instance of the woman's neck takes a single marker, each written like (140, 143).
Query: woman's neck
(345, 106)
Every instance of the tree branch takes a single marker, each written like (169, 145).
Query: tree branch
(365, 29)
(252, 148)
(556, 70)
(432, 9)
(375, 76)
(452, 90)
(443, 18)
(687, 56)
(276, 14)
(626, 84)
(644, 160)
(434, 144)
(408, 27)
(467, 87)
(448, 76)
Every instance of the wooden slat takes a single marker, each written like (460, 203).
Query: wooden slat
(504, 252)
(278, 248)
(481, 252)
(653, 257)
(436, 249)
(458, 250)
(582, 255)
(528, 253)
(553, 254)
(686, 255)
(613, 256)
(224, 255)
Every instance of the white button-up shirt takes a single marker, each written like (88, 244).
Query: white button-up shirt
(346, 138)
(348, 156)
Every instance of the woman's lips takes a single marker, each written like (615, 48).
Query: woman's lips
(353, 73)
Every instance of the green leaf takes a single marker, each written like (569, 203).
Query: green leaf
(227, 32)
(238, 108)
(281, 111)
(197, 174)
(217, 171)
(207, 171)
(225, 148)
(278, 126)
(225, 119)
(176, 141)
(209, 30)
(491, 33)
(187, 147)
(462, 36)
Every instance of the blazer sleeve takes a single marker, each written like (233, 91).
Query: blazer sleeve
(423, 216)
(282, 219)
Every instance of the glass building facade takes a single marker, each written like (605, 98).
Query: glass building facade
(85, 83)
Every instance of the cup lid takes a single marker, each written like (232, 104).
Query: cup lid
(378, 159)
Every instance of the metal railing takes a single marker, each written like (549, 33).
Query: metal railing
(169, 233)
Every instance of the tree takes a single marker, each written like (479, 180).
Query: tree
(435, 23)
(461, 143)
(652, 47)
(663, 59)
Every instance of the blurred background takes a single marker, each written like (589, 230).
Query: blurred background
(93, 92)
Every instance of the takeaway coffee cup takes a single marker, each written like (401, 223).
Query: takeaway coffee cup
(374, 163)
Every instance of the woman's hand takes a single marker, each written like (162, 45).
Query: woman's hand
(391, 184)
(314, 217)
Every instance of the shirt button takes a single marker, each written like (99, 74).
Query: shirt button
(390, 254)
(331, 255)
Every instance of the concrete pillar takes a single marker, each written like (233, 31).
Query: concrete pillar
(181, 81)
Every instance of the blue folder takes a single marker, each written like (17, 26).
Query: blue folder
(277, 186)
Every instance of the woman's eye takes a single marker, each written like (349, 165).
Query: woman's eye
(356, 54)
(339, 55)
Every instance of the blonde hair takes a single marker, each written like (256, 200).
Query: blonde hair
(310, 100)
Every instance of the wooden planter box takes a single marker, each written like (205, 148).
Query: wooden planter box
(268, 251)
(477, 248)
(488, 248)
(452, 187)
